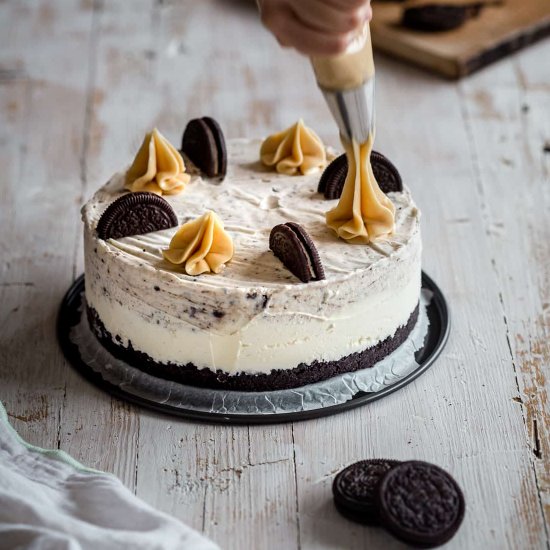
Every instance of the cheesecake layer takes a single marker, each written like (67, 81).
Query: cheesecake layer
(255, 317)
(277, 379)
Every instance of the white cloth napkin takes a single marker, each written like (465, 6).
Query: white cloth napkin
(49, 501)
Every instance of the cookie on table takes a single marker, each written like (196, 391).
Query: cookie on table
(420, 504)
(354, 489)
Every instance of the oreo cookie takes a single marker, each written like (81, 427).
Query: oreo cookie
(438, 17)
(386, 174)
(333, 178)
(354, 489)
(204, 144)
(135, 214)
(420, 504)
(294, 247)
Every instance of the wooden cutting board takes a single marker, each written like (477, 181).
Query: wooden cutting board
(496, 32)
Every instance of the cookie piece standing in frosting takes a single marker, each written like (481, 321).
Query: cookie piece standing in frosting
(311, 250)
(386, 173)
(294, 247)
(158, 167)
(203, 142)
(296, 150)
(420, 503)
(219, 139)
(136, 214)
(333, 178)
(201, 245)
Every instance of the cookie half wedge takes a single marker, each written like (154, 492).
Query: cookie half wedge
(135, 214)
(203, 143)
(291, 243)
(333, 178)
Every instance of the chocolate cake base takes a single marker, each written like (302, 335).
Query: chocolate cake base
(279, 379)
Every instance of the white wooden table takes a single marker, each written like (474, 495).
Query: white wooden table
(80, 83)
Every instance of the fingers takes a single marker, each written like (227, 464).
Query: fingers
(348, 4)
(326, 17)
(315, 27)
(292, 33)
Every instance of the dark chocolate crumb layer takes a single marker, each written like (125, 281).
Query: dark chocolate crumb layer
(276, 380)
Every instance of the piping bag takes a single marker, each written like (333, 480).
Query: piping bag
(364, 212)
(347, 83)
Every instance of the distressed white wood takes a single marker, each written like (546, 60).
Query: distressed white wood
(511, 108)
(80, 82)
(42, 86)
(461, 414)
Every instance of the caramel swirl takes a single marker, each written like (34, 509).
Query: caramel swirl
(364, 213)
(157, 168)
(202, 245)
(297, 149)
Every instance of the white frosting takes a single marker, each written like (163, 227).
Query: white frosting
(255, 316)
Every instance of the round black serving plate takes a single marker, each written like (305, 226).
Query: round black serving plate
(438, 332)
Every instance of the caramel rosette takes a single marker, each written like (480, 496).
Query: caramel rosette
(364, 213)
(157, 168)
(297, 149)
(201, 245)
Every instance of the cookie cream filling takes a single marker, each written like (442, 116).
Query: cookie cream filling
(255, 316)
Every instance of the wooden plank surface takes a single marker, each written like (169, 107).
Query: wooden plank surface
(80, 82)
(497, 31)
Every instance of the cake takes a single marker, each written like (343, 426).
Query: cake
(251, 325)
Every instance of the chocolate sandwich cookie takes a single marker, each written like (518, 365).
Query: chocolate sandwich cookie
(386, 174)
(135, 214)
(333, 178)
(354, 489)
(294, 247)
(439, 17)
(204, 144)
(420, 504)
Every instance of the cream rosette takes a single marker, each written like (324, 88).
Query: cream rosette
(296, 150)
(157, 168)
(364, 213)
(201, 245)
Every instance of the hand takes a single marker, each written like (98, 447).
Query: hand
(315, 27)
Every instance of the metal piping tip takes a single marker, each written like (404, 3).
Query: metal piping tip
(353, 110)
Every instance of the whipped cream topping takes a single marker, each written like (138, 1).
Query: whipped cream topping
(157, 168)
(251, 201)
(296, 150)
(255, 310)
(201, 245)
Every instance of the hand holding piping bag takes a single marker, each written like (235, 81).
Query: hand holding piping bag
(315, 27)
(336, 34)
